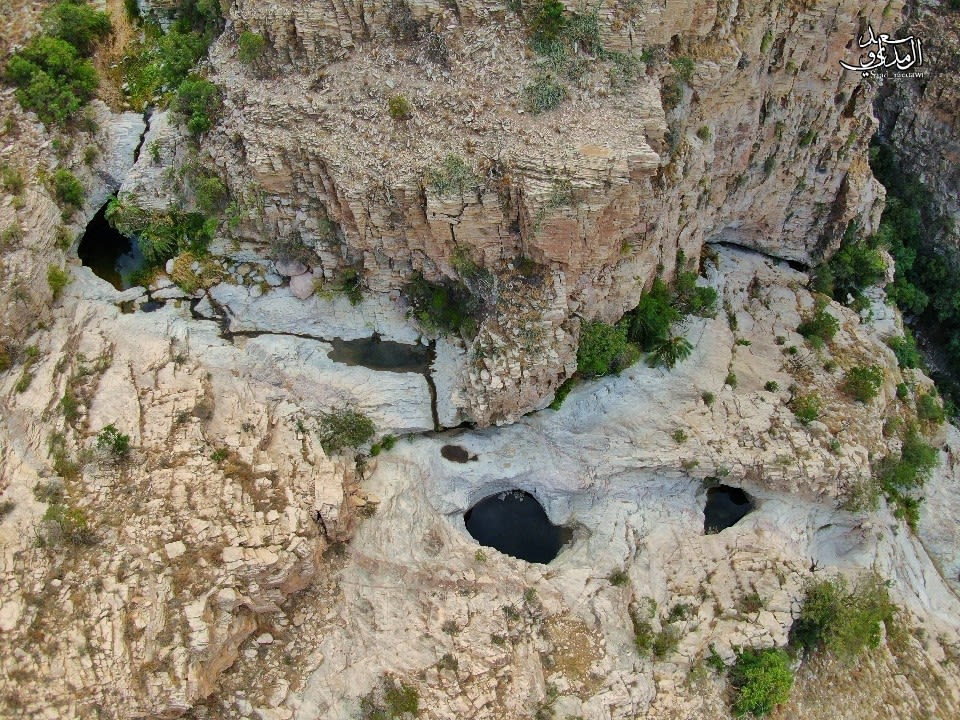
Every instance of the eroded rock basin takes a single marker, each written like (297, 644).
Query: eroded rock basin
(109, 254)
(514, 523)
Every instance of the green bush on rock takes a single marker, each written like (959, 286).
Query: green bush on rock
(342, 429)
(762, 678)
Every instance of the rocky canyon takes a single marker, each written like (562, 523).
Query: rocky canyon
(374, 263)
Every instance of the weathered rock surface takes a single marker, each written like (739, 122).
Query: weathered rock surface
(761, 145)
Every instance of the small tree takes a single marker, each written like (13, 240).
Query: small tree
(114, 441)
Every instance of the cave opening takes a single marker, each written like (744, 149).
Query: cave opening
(112, 256)
(726, 506)
(514, 523)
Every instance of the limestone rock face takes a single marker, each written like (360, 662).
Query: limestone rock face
(739, 125)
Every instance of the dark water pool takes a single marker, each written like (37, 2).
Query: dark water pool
(109, 254)
(456, 453)
(725, 506)
(516, 524)
(377, 354)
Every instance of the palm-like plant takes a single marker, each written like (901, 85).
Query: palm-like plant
(673, 349)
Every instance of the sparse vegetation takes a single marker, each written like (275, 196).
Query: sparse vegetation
(250, 46)
(806, 408)
(390, 700)
(399, 107)
(342, 429)
(863, 383)
(843, 621)
(821, 327)
(544, 93)
(57, 279)
(454, 175)
(62, 524)
(442, 308)
(67, 189)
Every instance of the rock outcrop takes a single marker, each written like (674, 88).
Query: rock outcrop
(736, 124)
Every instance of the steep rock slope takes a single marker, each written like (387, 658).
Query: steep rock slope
(737, 125)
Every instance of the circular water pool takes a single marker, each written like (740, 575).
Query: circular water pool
(514, 523)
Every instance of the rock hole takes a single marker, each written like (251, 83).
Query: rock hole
(456, 453)
(514, 523)
(725, 507)
(110, 255)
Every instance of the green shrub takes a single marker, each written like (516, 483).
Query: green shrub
(390, 701)
(771, 386)
(929, 409)
(453, 175)
(443, 308)
(863, 383)
(665, 642)
(650, 320)
(618, 578)
(905, 348)
(684, 68)
(342, 429)
(350, 282)
(68, 189)
(57, 279)
(819, 328)
(901, 476)
(547, 23)
(78, 24)
(132, 10)
(399, 107)
(708, 398)
(63, 524)
(11, 180)
(543, 94)
(52, 79)
(858, 264)
(114, 441)
(703, 132)
(219, 455)
(643, 635)
(603, 348)
(198, 102)
(691, 299)
(561, 394)
(762, 678)
(161, 236)
(842, 621)
(731, 379)
(806, 408)
(210, 193)
(251, 46)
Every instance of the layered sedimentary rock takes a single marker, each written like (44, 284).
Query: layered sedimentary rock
(738, 126)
